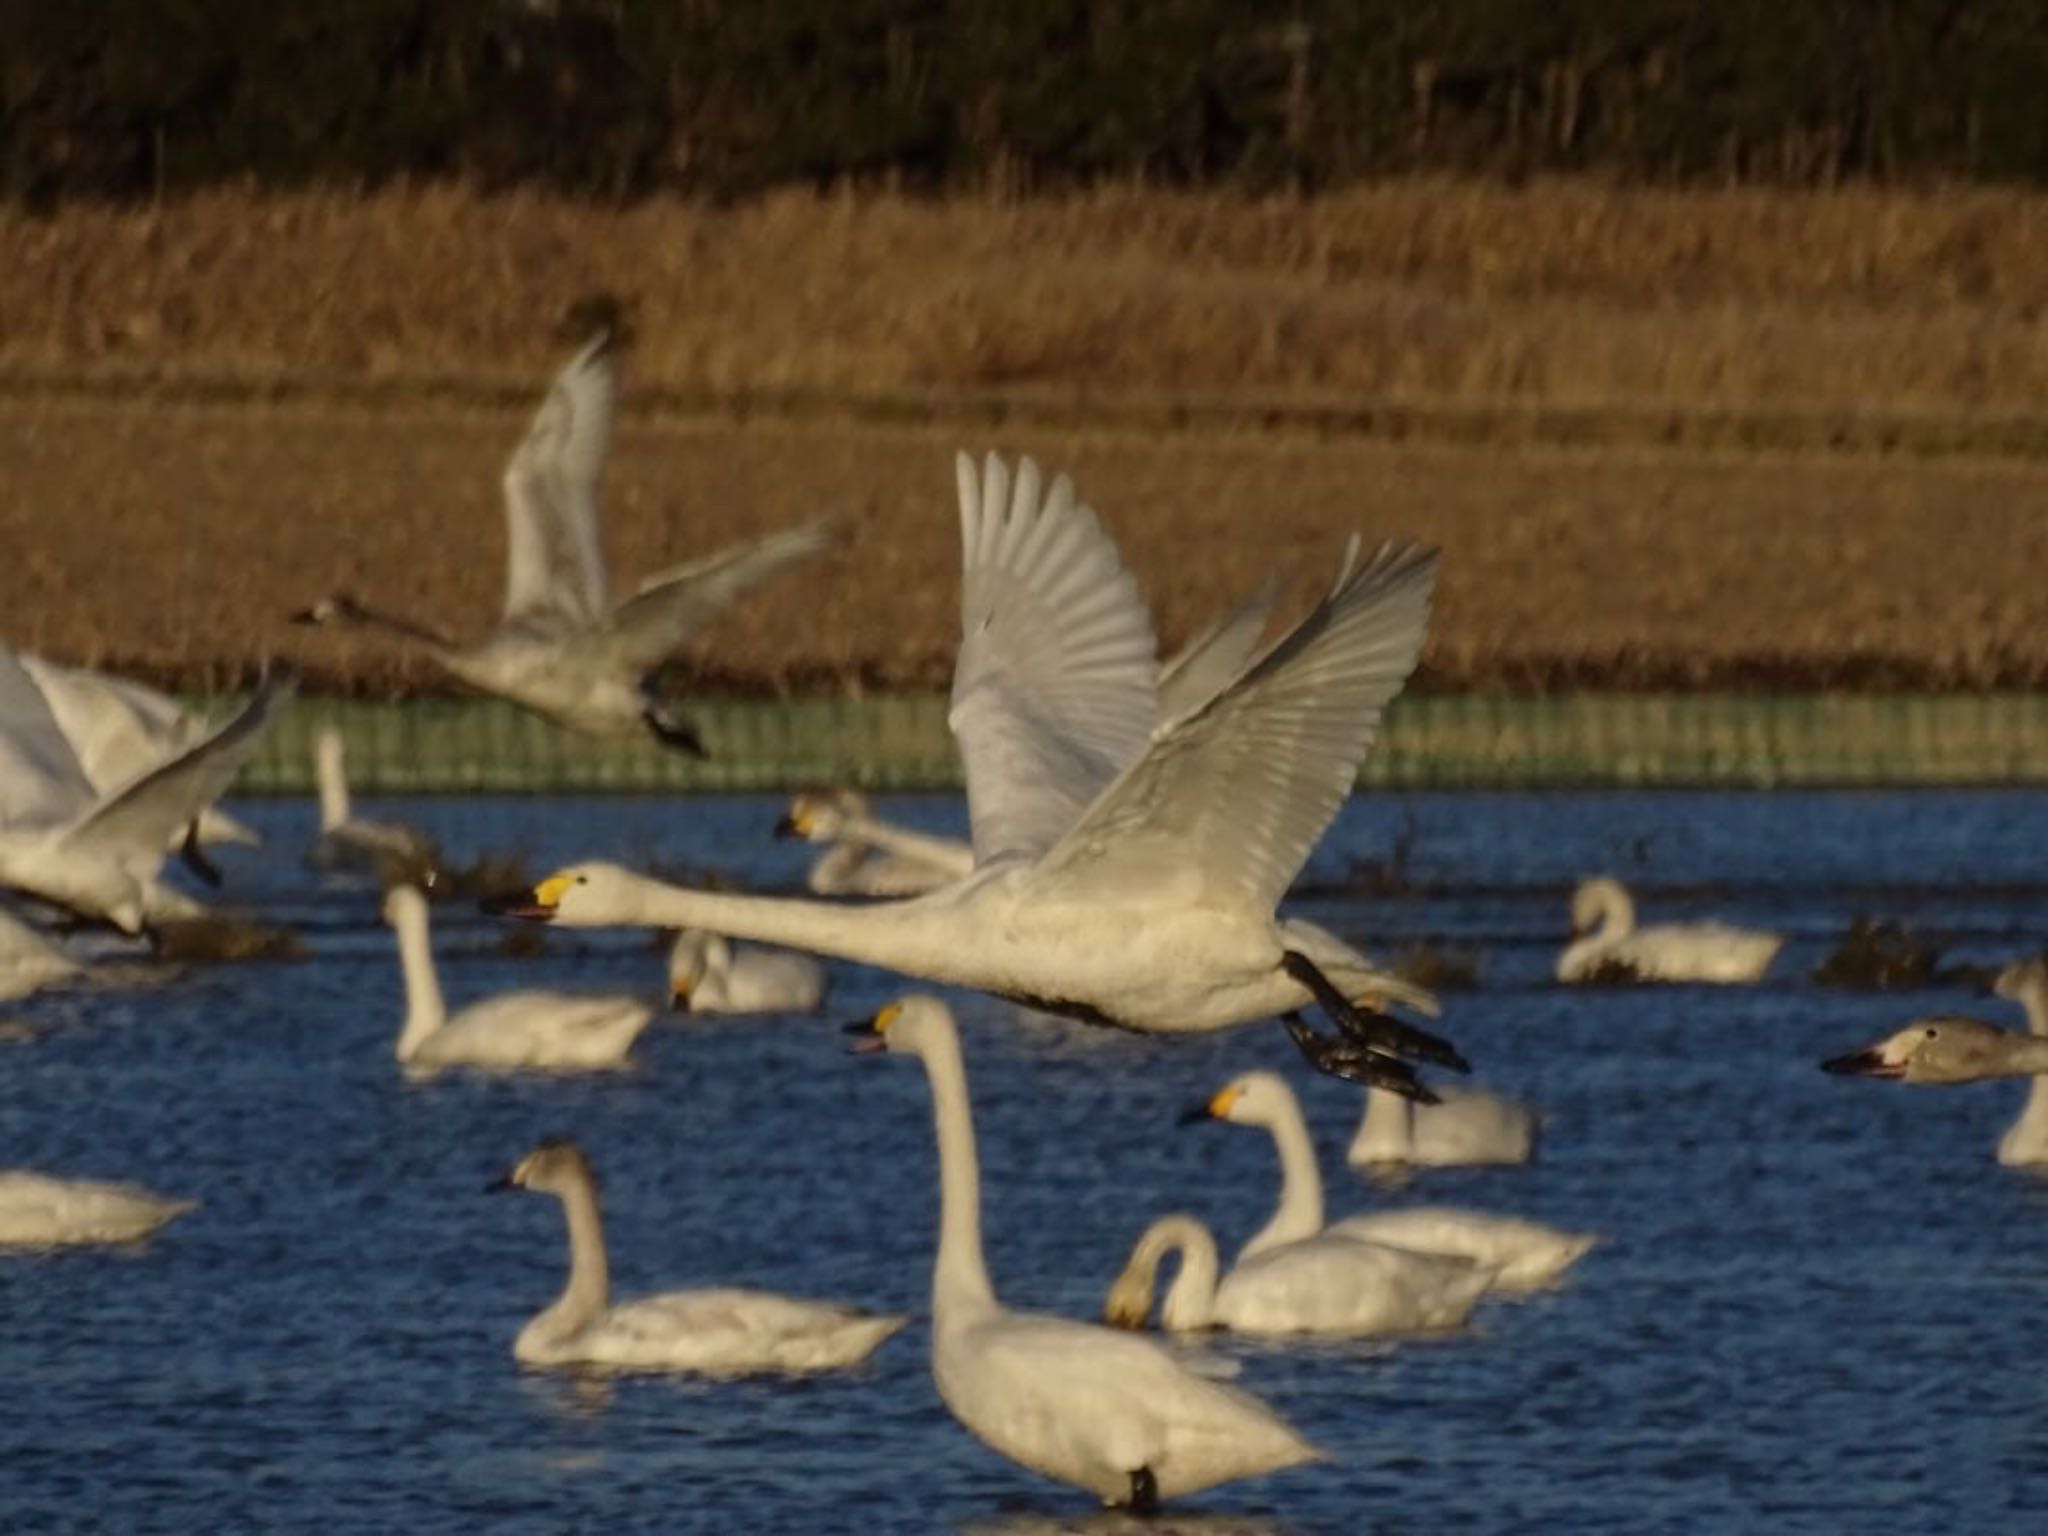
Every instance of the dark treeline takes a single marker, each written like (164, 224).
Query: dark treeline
(615, 98)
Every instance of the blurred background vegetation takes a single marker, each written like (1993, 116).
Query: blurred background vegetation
(616, 99)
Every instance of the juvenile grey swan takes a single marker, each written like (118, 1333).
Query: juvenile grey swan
(562, 648)
(721, 1332)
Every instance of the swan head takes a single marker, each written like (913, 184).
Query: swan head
(404, 904)
(1940, 1050)
(553, 1166)
(591, 895)
(697, 954)
(1257, 1098)
(911, 1025)
(2019, 977)
(821, 816)
(1599, 900)
(1130, 1298)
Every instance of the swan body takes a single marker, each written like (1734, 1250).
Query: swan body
(119, 728)
(563, 649)
(1606, 940)
(1516, 1255)
(100, 854)
(1122, 875)
(41, 1211)
(514, 1029)
(708, 973)
(1327, 1284)
(390, 849)
(28, 961)
(715, 1332)
(1090, 1406)
(2026, 1142)
(1465, 1129)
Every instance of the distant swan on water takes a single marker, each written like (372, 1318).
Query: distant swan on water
(709, 973)
(1093, 1407)
(1607, 942)
(714, 1332)
(1465, 1128)
(38, 1210)
(563, 648)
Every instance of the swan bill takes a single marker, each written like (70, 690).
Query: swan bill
(536, 904)
(787, 826)
(871, 1035)
(1865, 1063)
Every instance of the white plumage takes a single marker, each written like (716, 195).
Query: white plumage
(1607, 942)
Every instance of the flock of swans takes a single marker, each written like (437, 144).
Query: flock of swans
(1135, 827)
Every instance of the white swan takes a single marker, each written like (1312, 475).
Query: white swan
(1607, 942)
(1465, 1128)
(721, 1332)
(708, 973)
(563, 648)
(28, 961)
(1102, 1410)
(1519, 1255)
(391, 850)
(99, 855)
(1327, 1284)
(37, 1210)
(2026, 983)
(1122, 875)
(120, 728)
(513, 1029)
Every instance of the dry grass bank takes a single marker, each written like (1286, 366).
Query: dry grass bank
(1558, 295)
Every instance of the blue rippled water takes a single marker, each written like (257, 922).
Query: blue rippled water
(1820, 1307)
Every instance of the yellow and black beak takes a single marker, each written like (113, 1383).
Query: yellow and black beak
(679, 997)
(871, 1036)
(1215, 1107)
(535, 905)
(793, 824)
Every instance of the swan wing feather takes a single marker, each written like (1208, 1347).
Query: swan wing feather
(670, 606)
(554, 570)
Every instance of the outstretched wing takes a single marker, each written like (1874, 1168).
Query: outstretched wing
(554, 571)
(135, 822)
(1212, 660)
(1226, 804)
(666, 610)
(41, 780)
(1054, 687)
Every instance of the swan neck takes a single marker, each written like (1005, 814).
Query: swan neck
(940, 852)
(1617, 915)
(1191, 1299)
(960, 1276)
(2027, 1056)
(2032, 995)
(589, 1286)
(333, 782)
(875, 934)
(1389, 1121)
(1300, 1213)
(425, 1011)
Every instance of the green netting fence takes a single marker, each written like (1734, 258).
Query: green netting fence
(1440, 741)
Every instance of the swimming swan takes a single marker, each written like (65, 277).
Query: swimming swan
(392, 850)
(1123, 875)
(99, 854)
(1607, 941)
(715, 1332)
(563, 649)
(1327, 1284)
(1520, 1255)
(708, 973)
(513, 1029)
(1097, 1408)
(28, 961)
(120, 728)
(1464, 1129)
(37, 1210)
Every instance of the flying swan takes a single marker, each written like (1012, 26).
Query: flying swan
(722, 1332)
(1094, 1407)
(563, 649)
(1123, 874)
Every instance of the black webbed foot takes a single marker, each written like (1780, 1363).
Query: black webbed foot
(672, 730)
(1356, 1062)
(196, 860)
(1143, 1499)
(1381, 1032)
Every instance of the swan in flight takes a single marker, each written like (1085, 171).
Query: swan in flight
(392, 850)
(41, 1211)
(708, 973)
(563, 649)
(118, 728)
(721, 1332)
(1466, 1128)
(28, 961)
(1123, 874)
(1090, 1406)
(513, 1029)
(99, 854)
(1327, 1284)
(1518, 1255)
(1606, 943)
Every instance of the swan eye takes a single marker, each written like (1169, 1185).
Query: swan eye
(583, 879)
(1930, 1033)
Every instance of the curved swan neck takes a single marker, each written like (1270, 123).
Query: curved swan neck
(960, 1276)
(1617, 914)
(332, 776)
(1191, 1299)
(1300, 1213)
(942, 853)
(589, 1286)
(425, 1011)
